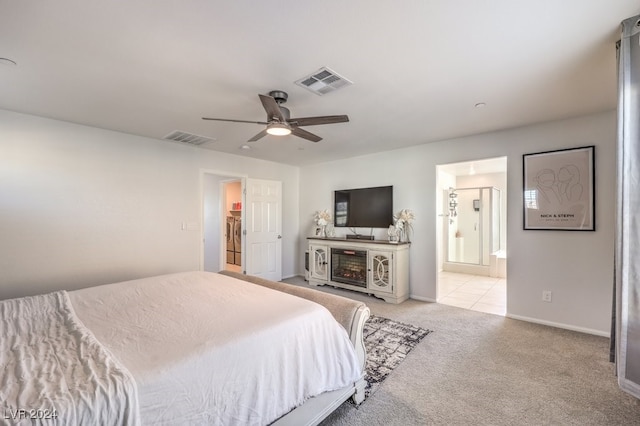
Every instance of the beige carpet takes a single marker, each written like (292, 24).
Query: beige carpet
(388, 343)
(484, 369)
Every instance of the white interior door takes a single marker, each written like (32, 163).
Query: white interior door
(263, 225)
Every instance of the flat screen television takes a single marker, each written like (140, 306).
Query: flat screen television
(364, 207)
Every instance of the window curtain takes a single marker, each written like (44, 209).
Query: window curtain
(627, 255)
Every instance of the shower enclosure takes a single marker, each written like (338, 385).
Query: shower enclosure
(472, 233)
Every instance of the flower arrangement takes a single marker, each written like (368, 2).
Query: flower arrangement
(402, 222)
(322, 217)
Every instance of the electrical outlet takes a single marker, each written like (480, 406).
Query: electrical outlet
(546, 295)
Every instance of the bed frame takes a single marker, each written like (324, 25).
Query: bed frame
(351, 315)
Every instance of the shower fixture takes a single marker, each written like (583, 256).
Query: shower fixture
(453, 204)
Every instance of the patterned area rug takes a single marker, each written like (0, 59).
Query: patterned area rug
(388, 342)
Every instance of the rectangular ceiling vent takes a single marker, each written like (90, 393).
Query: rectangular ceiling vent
(188, 138)
(323, 81)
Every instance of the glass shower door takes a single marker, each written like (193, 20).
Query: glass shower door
(496, 226)
(474, 225)
(490, 212)
(464, 226)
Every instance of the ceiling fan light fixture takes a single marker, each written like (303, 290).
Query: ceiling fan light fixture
(279, 121)
(278, 129)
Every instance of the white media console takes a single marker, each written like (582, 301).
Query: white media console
(379, 268)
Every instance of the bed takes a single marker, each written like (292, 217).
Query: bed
(187, 348)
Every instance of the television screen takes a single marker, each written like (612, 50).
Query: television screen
(364, 207)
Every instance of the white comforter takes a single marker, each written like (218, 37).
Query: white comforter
(53, 371)
(210, 349)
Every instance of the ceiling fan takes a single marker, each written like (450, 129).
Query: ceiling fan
(279, 121)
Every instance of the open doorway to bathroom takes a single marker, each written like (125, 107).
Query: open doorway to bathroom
(471, 234)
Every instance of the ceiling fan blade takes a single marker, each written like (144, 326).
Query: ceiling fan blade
(314, 121)
(258, 136)
(235, 121)
(305, 135)
(273, 109)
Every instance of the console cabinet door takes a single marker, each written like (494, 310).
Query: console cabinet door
(319, 264)
(381, 271)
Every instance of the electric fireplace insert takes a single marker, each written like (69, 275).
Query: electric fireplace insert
(349, 266)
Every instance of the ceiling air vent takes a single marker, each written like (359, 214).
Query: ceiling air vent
(189, 138)
(323, 81)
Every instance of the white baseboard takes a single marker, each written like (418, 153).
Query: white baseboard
(421, 298)
(284, 277)
(560, 325)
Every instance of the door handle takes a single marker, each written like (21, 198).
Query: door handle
(279, 236)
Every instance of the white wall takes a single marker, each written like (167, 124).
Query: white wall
(576, 266)
(81, 206)
(233, 195)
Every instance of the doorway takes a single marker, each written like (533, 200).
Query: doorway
(471, 235)
(232, 210)
(257, 230)
(217, 203)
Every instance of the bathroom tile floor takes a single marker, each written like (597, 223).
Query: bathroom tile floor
(475, 292)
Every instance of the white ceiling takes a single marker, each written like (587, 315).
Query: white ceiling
(418, 67)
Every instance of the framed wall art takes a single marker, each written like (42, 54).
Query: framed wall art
(558, 189)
